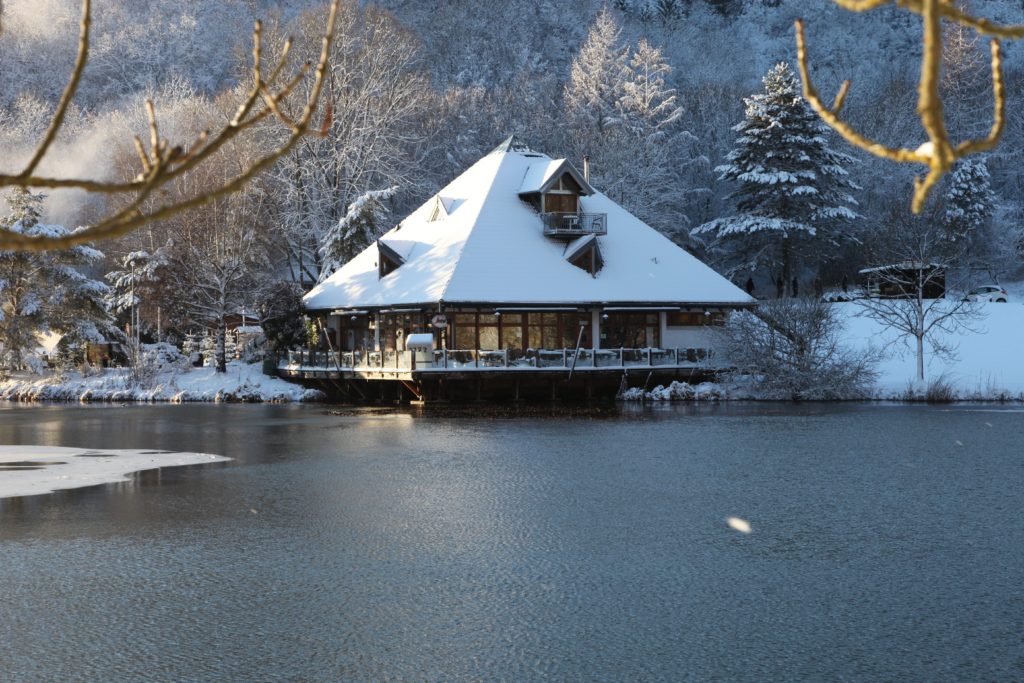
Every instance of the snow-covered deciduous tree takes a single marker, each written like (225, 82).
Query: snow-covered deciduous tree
(215, 280)
(792, 349)
(378, 94)
(44, 292)
(913, 264)
(366, 220)
(794, 190)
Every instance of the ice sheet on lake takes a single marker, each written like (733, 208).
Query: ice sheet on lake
(31, 470)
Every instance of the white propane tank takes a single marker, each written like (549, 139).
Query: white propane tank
(422, 345)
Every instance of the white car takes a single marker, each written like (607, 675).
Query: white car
(988, 293)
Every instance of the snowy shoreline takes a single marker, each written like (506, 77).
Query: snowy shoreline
(242, 383)
(36, 470)
(711, 392)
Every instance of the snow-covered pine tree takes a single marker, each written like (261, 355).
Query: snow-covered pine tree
(134, 284)
(967, 215)
(794, 191)
(969, 201)
(208, 347)
(230, 346)
(624, 116)
(366, 220)
(596, 80)
(46, 291)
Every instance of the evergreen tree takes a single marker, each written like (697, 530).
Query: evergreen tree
(625, 117)
(969, 200)
(966, 219)
(134, 285)
(45, 291)
(794, 192)
(366, 220)
(596, 80)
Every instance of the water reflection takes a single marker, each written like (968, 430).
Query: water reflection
(450, 545)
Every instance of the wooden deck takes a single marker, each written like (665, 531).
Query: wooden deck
(472, 375)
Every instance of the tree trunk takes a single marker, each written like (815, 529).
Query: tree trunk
(219, 356)
(787, 267)
(920, 358)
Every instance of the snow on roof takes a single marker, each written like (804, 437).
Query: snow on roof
(493, 249)
(400, 248)
(905, 265)
(540, 176)
(578, 245)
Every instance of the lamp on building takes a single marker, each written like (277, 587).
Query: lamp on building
(604, 317)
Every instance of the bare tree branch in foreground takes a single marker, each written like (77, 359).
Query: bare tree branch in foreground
(161, 161)
(938, 153)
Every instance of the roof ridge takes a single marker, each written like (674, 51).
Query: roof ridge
(513, 143)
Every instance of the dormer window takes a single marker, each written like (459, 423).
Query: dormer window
(563, 196)
(388, 260)
(443, 207)
(585, 253)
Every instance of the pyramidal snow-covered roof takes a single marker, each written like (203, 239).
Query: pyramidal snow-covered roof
(490, 247)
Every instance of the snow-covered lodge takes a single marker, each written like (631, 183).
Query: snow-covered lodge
(518, 277)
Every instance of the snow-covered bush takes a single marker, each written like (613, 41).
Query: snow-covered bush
(151, 363)
(790, 349)
(677, 391)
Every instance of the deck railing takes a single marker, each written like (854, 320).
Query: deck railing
(574, 224)
(510, 359)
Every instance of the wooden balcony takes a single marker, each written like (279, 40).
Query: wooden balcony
(574, 224)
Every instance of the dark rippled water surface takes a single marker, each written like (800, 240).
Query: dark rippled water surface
(373, 546)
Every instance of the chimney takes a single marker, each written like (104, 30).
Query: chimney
(586, 168)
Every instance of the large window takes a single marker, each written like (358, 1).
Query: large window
(630, 331)
(465, 331)
(695, 319)
(516, 330)
(393, 323)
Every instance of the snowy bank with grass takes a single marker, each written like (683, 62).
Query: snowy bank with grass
(32, 470)
(243, 382)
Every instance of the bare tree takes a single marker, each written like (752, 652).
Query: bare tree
(377, 91)
(163, 162)
(791, 349)
(908, 286)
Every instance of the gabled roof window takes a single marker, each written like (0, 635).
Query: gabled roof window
(388, 260)
(443, 207)
(585, 253)
(545, 176)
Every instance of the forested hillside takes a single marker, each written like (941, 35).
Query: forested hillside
(651, 90)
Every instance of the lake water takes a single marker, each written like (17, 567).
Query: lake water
(485, 546)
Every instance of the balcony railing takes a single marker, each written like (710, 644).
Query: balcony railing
(574, 224)
(510, 359)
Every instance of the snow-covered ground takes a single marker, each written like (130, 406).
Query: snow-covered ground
(988, 363)
(31, 470)
(242, 382)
